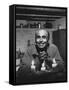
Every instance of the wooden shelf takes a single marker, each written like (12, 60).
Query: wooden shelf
(52, 29)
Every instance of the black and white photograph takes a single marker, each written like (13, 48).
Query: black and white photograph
(40, 44)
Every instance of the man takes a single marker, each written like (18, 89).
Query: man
(48, 53)
(42, 57)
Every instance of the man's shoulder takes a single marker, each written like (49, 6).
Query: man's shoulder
(53, 46)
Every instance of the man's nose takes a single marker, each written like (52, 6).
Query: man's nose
(41, 39)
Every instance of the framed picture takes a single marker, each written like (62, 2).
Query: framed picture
(37, 44)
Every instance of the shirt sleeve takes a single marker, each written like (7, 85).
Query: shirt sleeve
(57, 55)
(59, 60)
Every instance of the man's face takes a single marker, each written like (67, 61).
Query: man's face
(41, 38)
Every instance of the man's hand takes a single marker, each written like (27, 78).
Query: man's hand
(43, 55)
(51, 62)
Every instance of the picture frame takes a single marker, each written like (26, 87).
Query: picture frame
(24, 22)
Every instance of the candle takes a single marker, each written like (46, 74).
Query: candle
(54, 63)
(33, 65)
(43, 67)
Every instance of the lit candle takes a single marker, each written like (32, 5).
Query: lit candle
(54, 63)
(43, 68)
(33, 65)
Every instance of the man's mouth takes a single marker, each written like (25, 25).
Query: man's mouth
(41, 44)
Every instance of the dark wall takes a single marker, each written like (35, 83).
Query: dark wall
(59, 39)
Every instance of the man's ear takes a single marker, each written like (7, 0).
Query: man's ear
(48, 36)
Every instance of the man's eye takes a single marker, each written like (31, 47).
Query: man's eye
(38, 36)
(43, 36)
